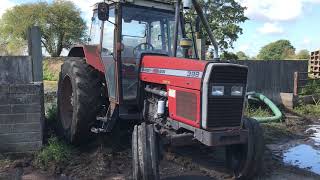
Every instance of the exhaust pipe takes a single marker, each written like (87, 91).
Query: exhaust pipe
(208, 29)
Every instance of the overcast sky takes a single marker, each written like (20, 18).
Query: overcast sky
(270, 20)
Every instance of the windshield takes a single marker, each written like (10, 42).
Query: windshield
(147, 29)
(143, 30)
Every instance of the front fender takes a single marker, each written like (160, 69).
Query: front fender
(91, 53)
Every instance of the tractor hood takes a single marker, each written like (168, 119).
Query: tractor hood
(172, 71)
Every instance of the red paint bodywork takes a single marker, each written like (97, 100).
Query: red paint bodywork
(192, 85)
(173, 110)
(185, 84)
(92, 55)
(173, 63)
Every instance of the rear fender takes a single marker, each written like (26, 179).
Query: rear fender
(91, 53)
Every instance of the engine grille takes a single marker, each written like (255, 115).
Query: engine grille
(226, 111)
(186, 105)
(229, 74)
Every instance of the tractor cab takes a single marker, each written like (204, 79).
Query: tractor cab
(128, 30)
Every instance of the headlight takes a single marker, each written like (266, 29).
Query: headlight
(217, 91)
(236, 91)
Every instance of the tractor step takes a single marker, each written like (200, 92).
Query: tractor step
(98, 130)
(103, 119)
(103, 127)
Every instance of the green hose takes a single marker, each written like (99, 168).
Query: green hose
(277, 113)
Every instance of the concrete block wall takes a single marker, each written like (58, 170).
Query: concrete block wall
(21, 117)
(15, 69)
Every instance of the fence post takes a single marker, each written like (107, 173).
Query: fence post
(296, 84)
(35, 52)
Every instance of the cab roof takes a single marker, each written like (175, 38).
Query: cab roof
(159, 4)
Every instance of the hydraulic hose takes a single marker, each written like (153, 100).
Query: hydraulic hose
(275, 110)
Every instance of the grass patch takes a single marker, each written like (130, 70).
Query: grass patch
(50, 86)
(51, 69)
(51, 113)
(257, 112)
(312, 87)
(4, 161)
(254, 109)
(48, 74)
(311, 110)
(51, 120)
(56, 152)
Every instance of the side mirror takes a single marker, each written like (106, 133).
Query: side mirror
(103, 11)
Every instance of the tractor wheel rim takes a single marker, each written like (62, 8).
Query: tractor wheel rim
(66, 103)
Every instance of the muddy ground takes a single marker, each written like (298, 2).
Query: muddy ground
(99, 160)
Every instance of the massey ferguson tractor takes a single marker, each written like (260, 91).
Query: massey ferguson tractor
(140, 68)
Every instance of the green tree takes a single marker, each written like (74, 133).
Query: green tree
(278, 50)
(253, 58)
(228, 56)
(60, 23)
(242, 56)
(224, 17)
(303, 54)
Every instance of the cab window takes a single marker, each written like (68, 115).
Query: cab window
(95, 30)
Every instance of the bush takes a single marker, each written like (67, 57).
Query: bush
(56, 152)
(312, 87)
(312, 110)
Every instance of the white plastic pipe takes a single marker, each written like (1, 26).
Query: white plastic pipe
(187, 4)
(161, 107)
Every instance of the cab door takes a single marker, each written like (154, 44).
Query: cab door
(108, 55)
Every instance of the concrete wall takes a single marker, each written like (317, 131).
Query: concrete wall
(16, 70)
(21, 106)
(273, 77)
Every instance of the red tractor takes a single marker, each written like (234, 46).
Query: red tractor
(133, 71)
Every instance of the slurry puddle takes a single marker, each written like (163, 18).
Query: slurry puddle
(303, 156)
(306, 155)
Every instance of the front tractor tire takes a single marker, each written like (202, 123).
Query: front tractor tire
(79, 100)
(245, 160)
(145, 153)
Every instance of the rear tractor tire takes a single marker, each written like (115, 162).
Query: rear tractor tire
(245, 160)
(145, 153)
(80, 100)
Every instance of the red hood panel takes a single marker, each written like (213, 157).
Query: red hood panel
(178, 72)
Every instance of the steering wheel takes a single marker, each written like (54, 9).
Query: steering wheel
(143, 46)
